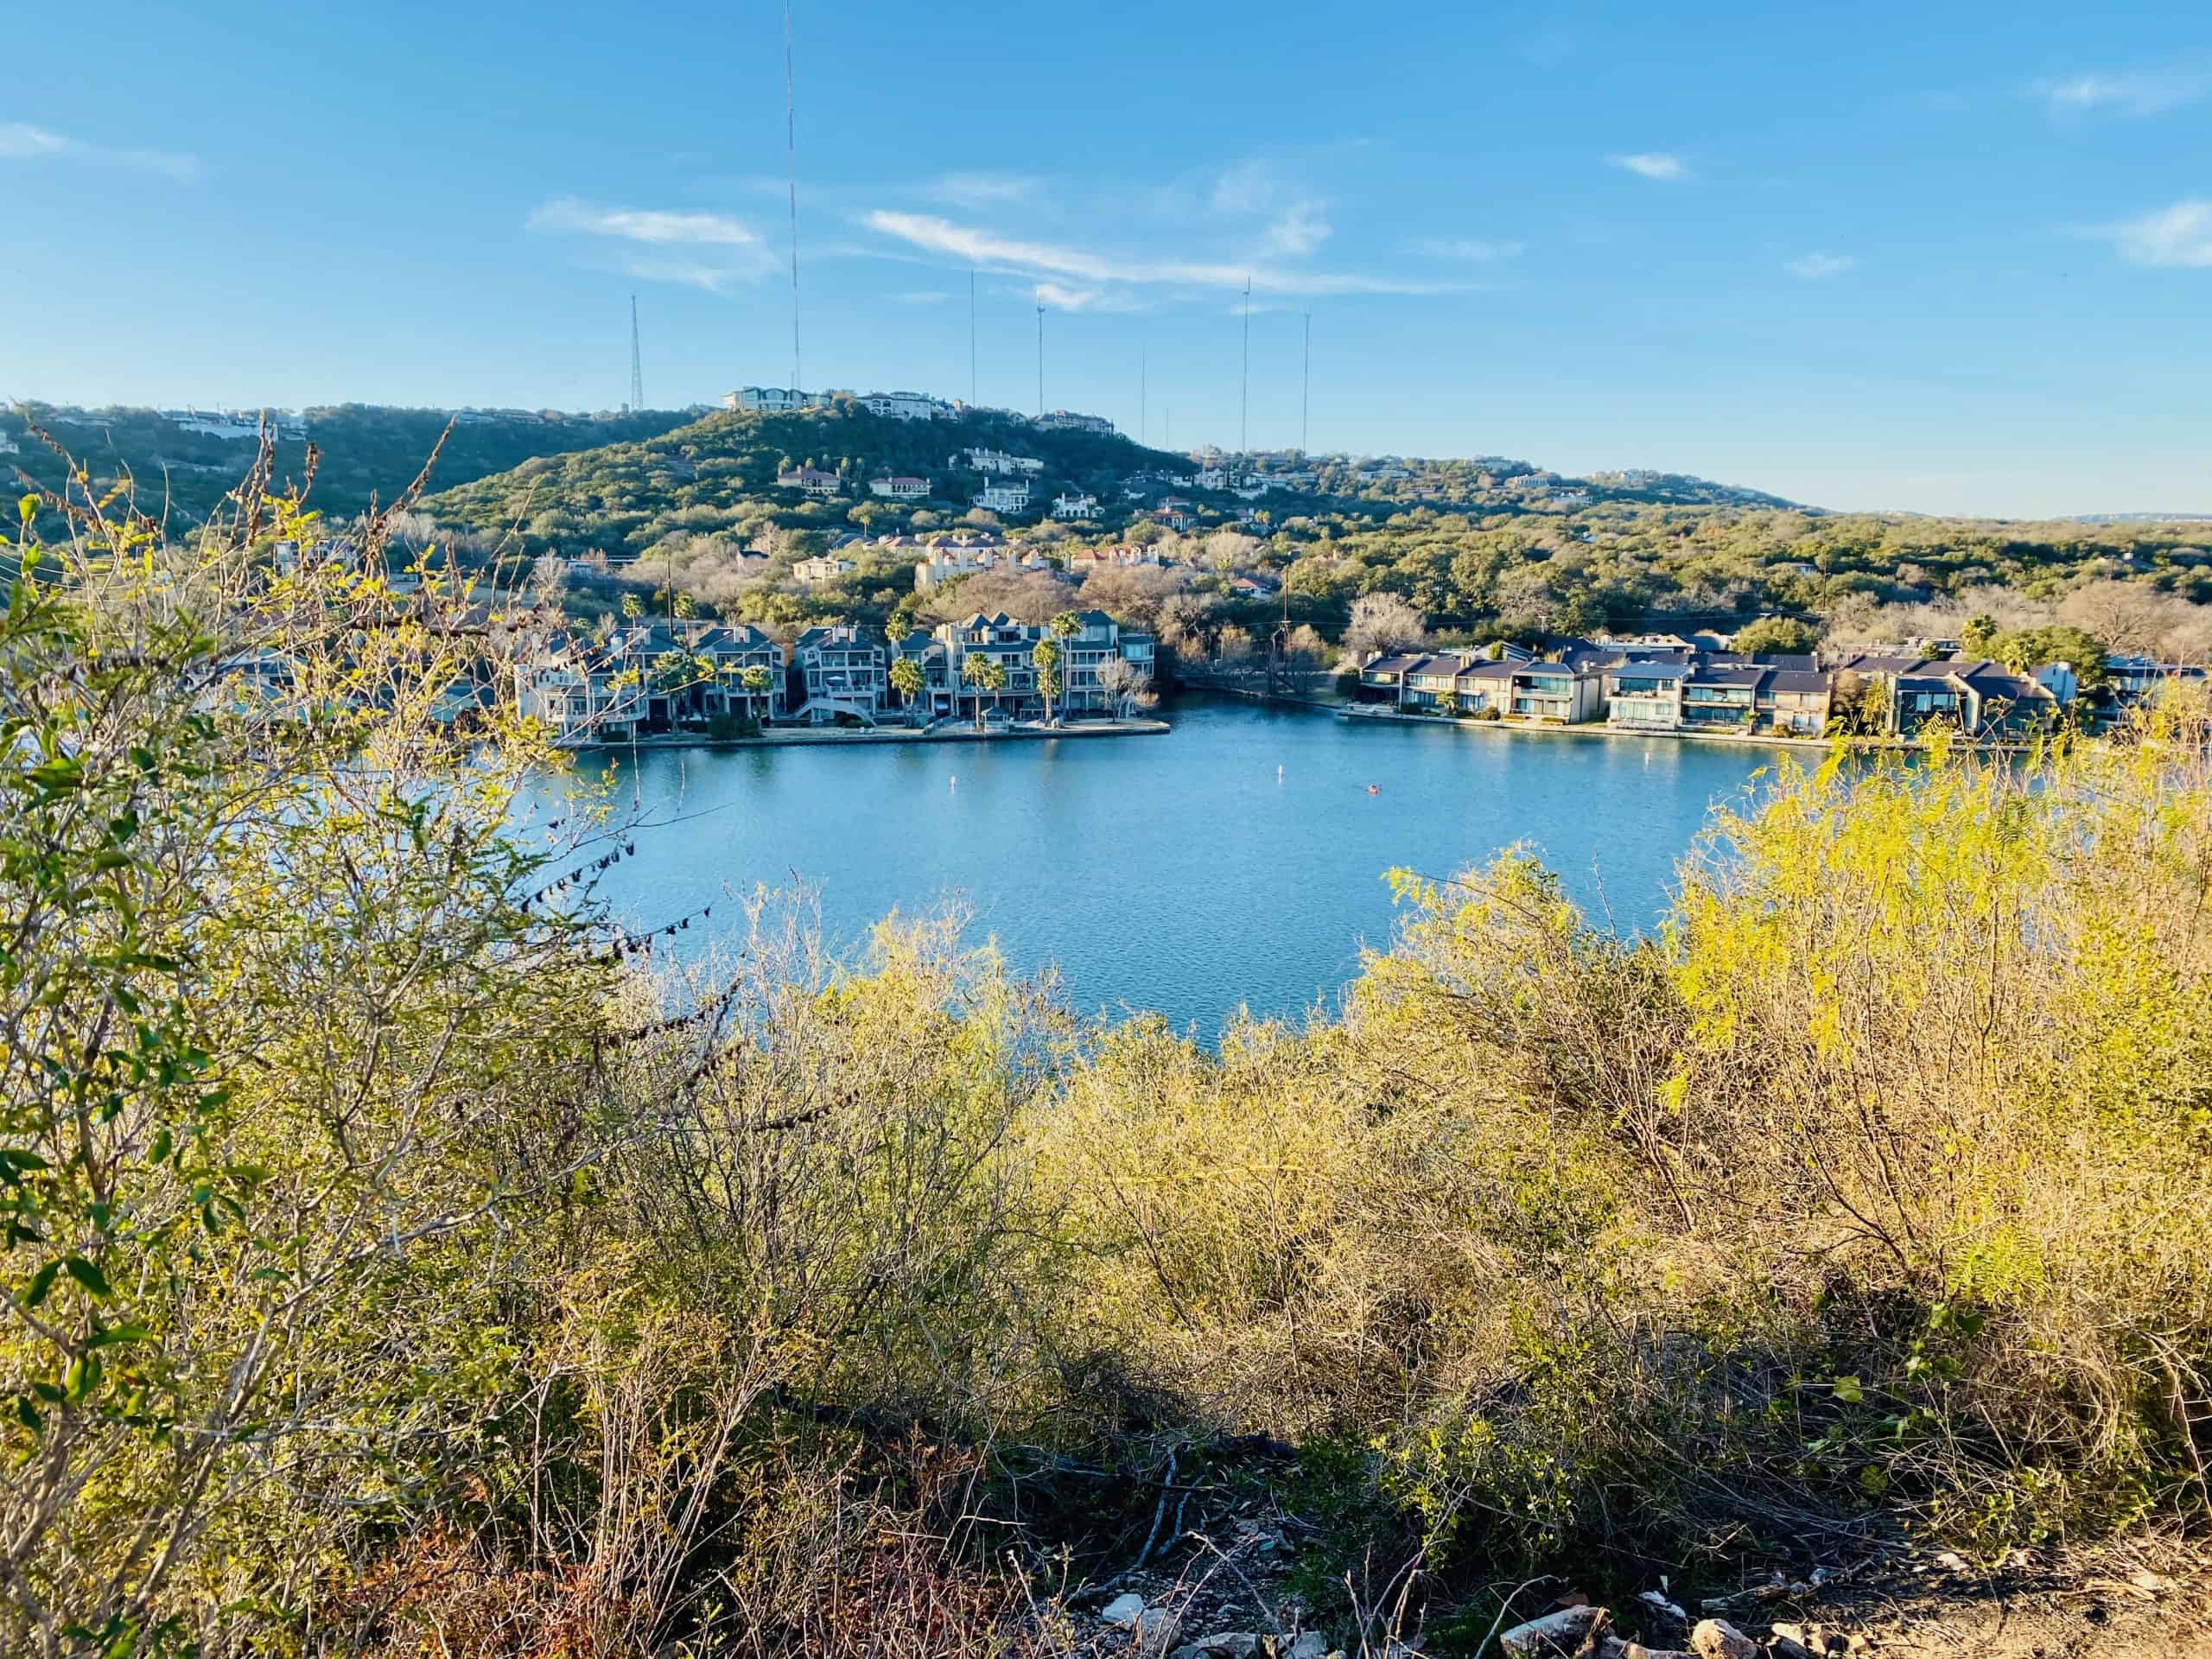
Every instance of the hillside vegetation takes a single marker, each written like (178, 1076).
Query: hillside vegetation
(719, 473)
(395, 1263)
(363, 449)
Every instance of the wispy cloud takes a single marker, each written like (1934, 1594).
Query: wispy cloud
(655, 225)
(1652, 164)
(1468, 248)
(2177, 236)
(922, 297)
(20, 142)
(1299, 231)
(707, 250)
(2154, 92)
(1048, 261)
(1815, 266)
(978, 190)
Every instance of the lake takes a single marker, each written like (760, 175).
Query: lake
(1237, 860)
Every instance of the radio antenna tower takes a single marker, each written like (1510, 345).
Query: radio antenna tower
(1144, 427)
(1244, 380)
(636, 363)
(972, 334)
(1305, 385)
(1040, 357)
(791, 149)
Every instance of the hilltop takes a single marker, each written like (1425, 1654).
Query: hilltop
(192, 459)
(623, 498)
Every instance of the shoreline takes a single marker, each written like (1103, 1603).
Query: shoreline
(1600, 729)
(794, 737)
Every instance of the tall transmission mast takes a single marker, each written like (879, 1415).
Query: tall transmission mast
(1305, 385)
(790, 150)
(1144, 427)
(1040, 357)
(1244, 380)
(972, 334)
(636, 363)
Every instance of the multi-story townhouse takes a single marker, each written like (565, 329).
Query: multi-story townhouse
(844, 669)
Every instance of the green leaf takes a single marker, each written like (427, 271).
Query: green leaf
(114, 1334)
(29, 507)
(28, 1415)
(82, 1377)
(1850, 1390)
(94, 1280)
(41, 1281)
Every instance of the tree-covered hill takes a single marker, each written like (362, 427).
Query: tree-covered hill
(365, 448)
(622, 499)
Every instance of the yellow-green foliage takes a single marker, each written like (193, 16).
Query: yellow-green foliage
(379, 1267)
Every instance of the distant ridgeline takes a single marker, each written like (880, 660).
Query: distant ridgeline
(190, 459)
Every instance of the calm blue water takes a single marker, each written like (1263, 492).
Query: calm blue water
(1236, 861)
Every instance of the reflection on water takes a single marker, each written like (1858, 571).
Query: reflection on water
(1237, 860)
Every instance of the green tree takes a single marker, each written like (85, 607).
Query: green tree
(1776, 633)
(1046, 655)
(757, 678)
(907, 679)
(985, 674)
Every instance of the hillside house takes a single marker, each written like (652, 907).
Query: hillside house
(1075, 507)
(1005, 495)
(773, 400)
(902, 405)
(996, 463)
(899, 489)
(811, 481)
(824, 567)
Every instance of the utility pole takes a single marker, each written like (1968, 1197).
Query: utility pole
(1306, 386)
(791, 149)
(1040, 359)
(636, 363)
(1244, 380)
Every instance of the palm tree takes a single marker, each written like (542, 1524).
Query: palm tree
(907, 680)
(985, 674)
(1064, 627)
(1046, 655)
(756, 680)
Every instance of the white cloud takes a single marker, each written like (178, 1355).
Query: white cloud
(2123, 94)
(1463, 247)
(1048, 261)
(658, 227)
(689, 273)
(1652, 164)
(20, 142)
(2180, 235)
(1246, 187)
(1814, 266)
(922, 297)
(976, 190)
(1300, 231)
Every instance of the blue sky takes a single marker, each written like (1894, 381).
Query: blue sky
(1950, 259)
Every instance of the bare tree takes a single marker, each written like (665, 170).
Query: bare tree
(1383, 622)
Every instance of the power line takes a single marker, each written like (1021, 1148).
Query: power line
(636, 363)
(790, 147)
